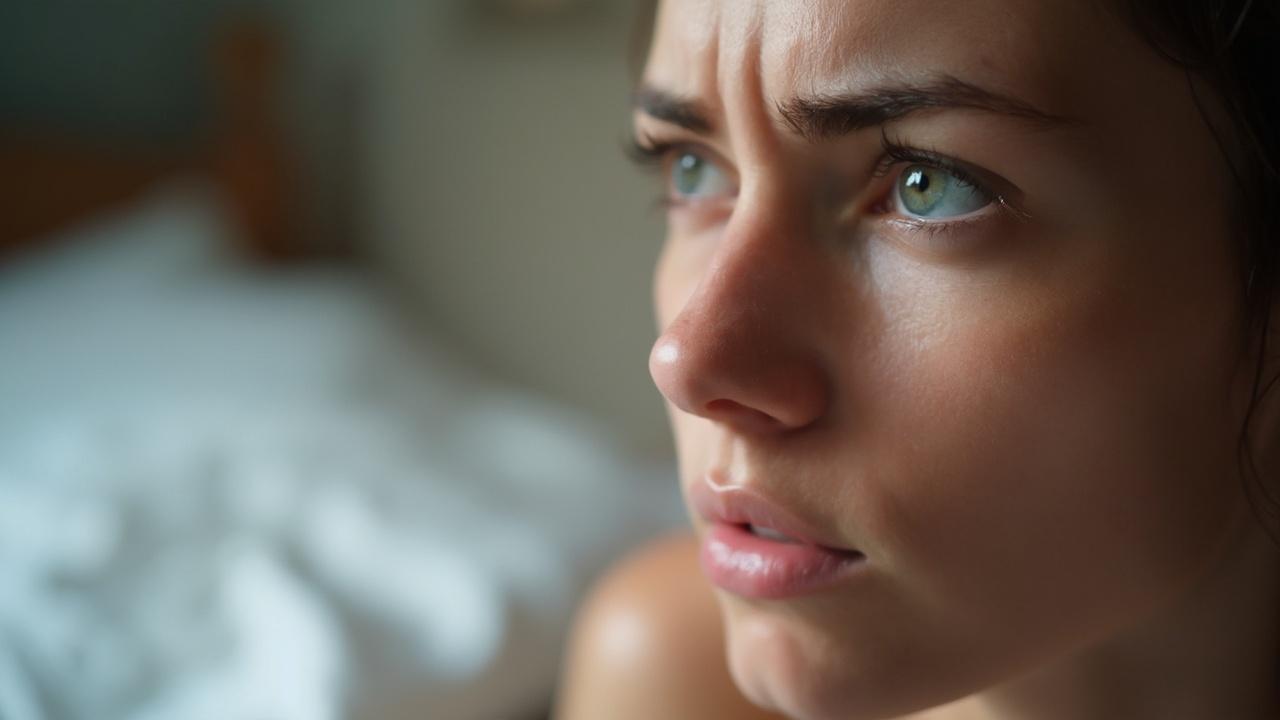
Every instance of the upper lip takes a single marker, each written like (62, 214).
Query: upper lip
(742, 505)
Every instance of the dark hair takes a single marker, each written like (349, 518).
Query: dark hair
(1229, 48)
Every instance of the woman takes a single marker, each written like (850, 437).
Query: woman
(963, 314)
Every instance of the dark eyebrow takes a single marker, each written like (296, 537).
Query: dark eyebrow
(671, 108)
(828, 116)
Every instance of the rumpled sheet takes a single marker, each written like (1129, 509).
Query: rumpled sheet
(235, 494)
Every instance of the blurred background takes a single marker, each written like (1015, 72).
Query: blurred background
(323, 341)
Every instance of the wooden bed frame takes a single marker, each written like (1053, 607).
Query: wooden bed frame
(53, 181)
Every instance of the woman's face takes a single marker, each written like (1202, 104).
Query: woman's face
(949, 285)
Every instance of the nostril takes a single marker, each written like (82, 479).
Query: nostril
(738, 414)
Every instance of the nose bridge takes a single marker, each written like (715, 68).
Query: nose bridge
(752, 279)
(763, 249)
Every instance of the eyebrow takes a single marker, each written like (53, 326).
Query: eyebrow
(823, 117)
(670, 107)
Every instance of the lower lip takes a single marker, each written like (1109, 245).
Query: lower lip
(750, 566)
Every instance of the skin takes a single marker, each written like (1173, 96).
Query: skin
(1027, 422)
(648, 644)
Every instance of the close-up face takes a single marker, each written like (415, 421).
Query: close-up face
(951, 336)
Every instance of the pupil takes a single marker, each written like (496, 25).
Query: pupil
(918, 180)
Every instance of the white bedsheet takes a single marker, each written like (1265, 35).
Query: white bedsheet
(234, 494)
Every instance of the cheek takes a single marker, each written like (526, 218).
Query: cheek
(681, 266)
(666, 294)
(1065, 452)
(674, 280)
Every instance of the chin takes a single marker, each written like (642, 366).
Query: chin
(786, 667)
(784, 658)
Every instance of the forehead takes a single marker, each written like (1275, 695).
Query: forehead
(1040, 49)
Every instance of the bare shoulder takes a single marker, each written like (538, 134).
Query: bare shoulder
(648, 643)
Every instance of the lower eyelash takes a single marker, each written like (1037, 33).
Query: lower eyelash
(934, 228)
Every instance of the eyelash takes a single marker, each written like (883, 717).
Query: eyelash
(896, 153)
(652, 154)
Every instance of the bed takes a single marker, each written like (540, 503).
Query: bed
(229, 492)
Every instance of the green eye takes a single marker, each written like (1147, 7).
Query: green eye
(692, 176)
(930, 192)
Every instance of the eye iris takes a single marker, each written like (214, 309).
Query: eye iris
(687, 174)
(931, 192)
(923, 188)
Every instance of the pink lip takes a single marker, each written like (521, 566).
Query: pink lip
(745, 564)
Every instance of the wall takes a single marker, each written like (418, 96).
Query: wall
(500, 196)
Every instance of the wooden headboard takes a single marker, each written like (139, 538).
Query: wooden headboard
(54, 180)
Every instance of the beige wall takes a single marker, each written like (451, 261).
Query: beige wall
(499, 195)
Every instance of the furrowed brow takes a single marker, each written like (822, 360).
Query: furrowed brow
(829, 116)
(672, 108)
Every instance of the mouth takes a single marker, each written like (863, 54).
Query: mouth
(756, 547)
(769, 533)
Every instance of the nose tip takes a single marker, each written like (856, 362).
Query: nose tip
(754, 391)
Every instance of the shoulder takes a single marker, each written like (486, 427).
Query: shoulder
(648, 643)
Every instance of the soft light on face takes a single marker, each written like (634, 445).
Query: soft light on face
(991, 343)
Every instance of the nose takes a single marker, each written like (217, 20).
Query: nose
(743, 350)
